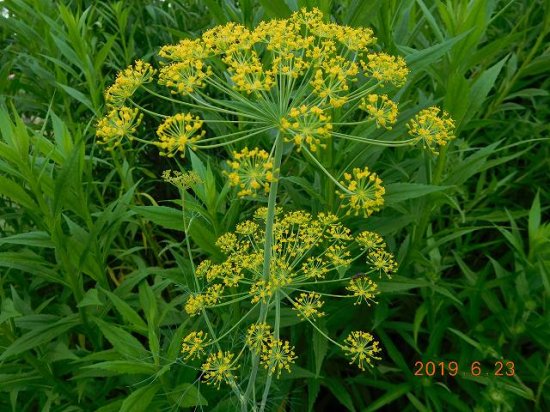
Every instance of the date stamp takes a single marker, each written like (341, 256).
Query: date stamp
(451, 368)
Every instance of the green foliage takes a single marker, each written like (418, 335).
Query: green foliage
(92, 262)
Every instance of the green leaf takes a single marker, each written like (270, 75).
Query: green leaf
(91, 298)
(123, 342)
(128, 314)
(164, 216)
(534, 219)
(79, 96)
(27, 261)
(187, 395)
(480, 89)
(139, 400)
(340, 392)
(420, 59)
(122, 367)
(399, 192)
(394, 393)
(320, 348)
(38, 239)
(40, 336)
(275, 8)
(16, 193)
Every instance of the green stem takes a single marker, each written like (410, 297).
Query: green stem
(276, 337)
(271, 203)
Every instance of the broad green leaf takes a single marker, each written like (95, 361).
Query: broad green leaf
(40, 336)
(275, 8)
(128, 314)
(122, 367)
(481, 88)
(38, 239)
(139, 400)
(187, 395)
(79, 96)
(27, 261)
(340, 392)
(534, 218)
(320, 348)
(394, 393)
(420, 59)
(399, 192)
(16, 193)
(91, 298)
(123, 342)
(164, 216)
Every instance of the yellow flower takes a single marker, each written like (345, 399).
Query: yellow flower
(382, 261)
(228, 38)
(306, 125)
(195, 304)
(182, 180)
(247, 73)
(364, 192)
(250, 171)
(339, 255)
(228, 242)
(355, 38)
(308, 305)
(361, 348)
(370, 240)
(363, 288)
(258, 336)
(261, 291)
(315, 268)
(178, 132)
(193, 345)
(381, 109)
(185, 77)
(432, 128)
(277, 355)
(219, 368)
(202, 268)
(185, 51)
(331, 80)
(386, 68)
(213, 294)
(127, 82)
(118, 124)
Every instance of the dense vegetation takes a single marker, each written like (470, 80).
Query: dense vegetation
(93, 252)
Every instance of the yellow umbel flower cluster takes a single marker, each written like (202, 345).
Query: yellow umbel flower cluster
(219, 368)
(363, 288)
(258, 336)
(308, 305)
(193, 346)
(118, 123)
(432, 128)
(364, 192)
(127, 82)
(381, 109)
(277, 355)
(178, 133)
(386, 68)
(306, 252)
(361, 348)
(182, 180)
(250, 171)
(306, 126)
(185, 77)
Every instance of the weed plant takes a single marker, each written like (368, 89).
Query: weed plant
(95, 272)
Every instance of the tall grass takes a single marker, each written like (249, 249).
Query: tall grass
(91, 246)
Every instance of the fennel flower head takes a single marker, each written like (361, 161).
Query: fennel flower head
(308, 254)
(313, 84)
